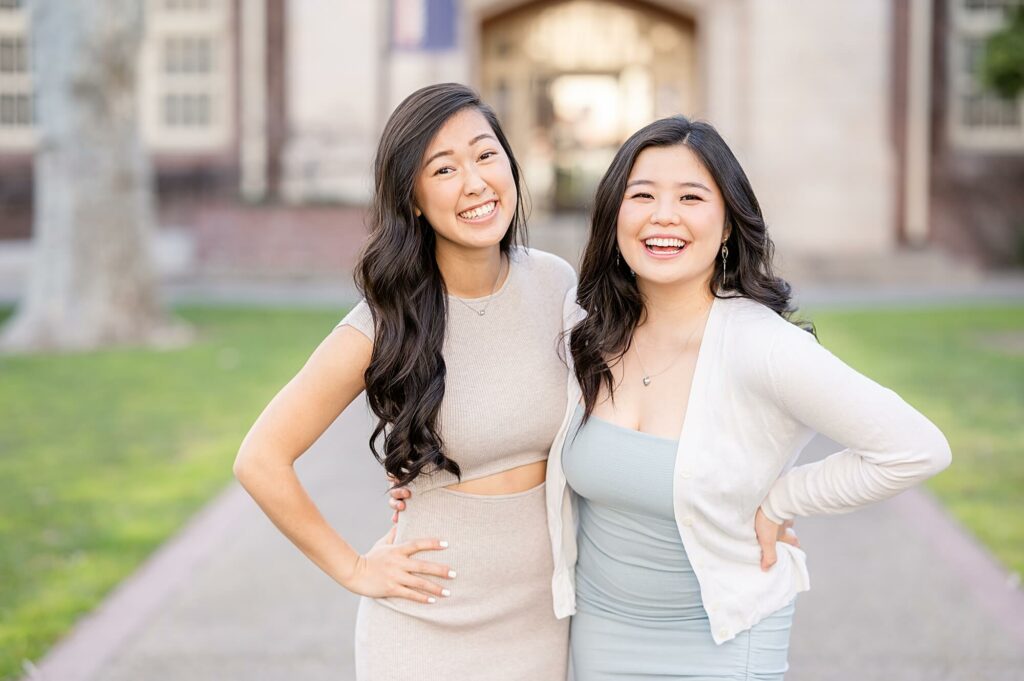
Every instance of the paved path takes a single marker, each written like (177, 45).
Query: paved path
(899, 594)
(230, 598)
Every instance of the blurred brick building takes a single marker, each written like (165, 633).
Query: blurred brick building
(862, 124)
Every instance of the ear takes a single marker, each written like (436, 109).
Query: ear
(417, 211)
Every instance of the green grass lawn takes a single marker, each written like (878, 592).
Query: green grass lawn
(964, 369)
(104, 455)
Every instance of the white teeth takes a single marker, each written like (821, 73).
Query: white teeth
(665, 242)
(479, 211)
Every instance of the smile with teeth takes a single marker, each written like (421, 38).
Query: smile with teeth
(479, 211)
(664, 245)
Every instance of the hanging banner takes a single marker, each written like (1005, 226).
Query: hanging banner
(423, 25)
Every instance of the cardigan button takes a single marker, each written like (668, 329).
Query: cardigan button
(688, 521)
(723, 632)
(685, 474)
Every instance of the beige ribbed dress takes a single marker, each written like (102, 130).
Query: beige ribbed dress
(503, 404)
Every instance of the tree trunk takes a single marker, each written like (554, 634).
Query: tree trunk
(92, 282)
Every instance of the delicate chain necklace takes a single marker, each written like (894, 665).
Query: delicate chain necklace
(482, 311)
(648, 376)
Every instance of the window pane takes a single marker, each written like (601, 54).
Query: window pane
(23, 113)
(204, 63)
(990, 5)
(172, 113)
(186, 54)
(187, 5)
(188, 110)
(172, 56)
(13, 55)
(7, 110)
(6, 55)
(203, 111)
(986, 111)
(974, 54)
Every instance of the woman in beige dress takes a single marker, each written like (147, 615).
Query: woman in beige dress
(456, 345)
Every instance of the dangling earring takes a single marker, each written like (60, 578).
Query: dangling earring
(725, 256)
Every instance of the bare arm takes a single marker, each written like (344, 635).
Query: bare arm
(294, 419)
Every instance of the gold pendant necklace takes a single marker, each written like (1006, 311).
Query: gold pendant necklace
(482, 311)
(645, 376)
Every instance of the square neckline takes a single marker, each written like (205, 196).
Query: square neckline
(697, 375)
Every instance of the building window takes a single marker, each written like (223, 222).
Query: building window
(989, 5)
(979, 118)
(186, 75)
(185, 96)
(17, 98)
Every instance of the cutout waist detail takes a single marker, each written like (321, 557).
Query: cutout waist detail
(512, 481)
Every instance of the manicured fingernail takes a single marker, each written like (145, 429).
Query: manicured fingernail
(444, 544)
(446, 592)
(431, 599)
(451, 574)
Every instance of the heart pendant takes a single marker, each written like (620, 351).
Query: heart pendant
(647, 380)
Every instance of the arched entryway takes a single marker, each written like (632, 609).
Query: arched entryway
(572, 79)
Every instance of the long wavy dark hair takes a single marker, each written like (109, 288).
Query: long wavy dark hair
(398, 275)
(609, 293)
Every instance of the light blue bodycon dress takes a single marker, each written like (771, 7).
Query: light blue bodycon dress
(639, 611)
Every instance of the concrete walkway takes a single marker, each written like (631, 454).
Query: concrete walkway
(900, 593)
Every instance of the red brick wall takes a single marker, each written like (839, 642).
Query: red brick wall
(273, 240)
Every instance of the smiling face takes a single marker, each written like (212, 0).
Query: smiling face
(465, 188)
(671, 220)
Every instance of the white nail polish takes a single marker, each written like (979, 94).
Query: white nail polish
(444, 544)
(451, 574)
(446, 592)
(431, 599)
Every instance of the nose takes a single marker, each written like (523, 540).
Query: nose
(474, 184)
(665, 213)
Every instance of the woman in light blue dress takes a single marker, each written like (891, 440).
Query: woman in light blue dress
(695, 396)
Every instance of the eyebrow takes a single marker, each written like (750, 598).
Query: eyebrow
(449, 152)
(695, 185)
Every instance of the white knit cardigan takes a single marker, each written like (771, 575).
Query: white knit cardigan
(762, 387)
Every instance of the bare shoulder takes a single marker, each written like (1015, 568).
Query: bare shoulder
(344, 354)
(306, 406)
(333, 375)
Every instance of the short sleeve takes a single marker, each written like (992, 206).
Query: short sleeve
(360, 318)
